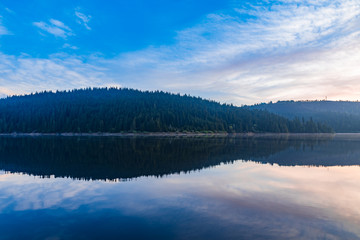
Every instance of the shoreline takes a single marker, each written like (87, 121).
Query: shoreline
(174, 134)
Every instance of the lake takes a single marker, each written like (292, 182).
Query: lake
(286, 187)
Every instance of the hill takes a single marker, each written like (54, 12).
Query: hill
(342, 116)
(128, 110)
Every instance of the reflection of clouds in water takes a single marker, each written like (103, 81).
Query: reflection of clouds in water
(325, 192)
(308, 193)
(299, 202)
(25, 192)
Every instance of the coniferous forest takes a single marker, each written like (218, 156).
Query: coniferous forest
(116, 110)
(341, 116)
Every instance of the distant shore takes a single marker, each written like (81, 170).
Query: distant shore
(174, 134)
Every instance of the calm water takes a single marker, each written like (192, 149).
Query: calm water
(180, 188)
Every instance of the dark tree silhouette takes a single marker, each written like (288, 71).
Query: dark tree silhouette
(342, 116)
(128, 110)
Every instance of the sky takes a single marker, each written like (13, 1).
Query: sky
(231, 51)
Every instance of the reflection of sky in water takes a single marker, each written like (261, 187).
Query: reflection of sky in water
(243, 199)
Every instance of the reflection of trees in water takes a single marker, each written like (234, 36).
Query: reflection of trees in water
(124, 158)
(336, 152)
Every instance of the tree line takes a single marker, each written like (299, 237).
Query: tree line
(341, 116)
(127, 110)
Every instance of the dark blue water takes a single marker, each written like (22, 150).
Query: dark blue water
(180, 188)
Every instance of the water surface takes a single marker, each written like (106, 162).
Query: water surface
(180, 188)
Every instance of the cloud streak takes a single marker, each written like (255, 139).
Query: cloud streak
(3, 29)
(289, 50)
(55, 27)
(301, 50)
(83, 19)
(21, 75)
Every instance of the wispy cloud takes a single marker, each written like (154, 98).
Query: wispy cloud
(66, 45)
(301, 50)
(59, 24)
(3, 29)
(55, 27)
(20, 75)
(290, 50)
(9, 10)
(83, 19)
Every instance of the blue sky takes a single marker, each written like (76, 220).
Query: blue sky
(241, 52)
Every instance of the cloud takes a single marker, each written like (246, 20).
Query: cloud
(21, 75)
(66, 45)
(290, 50)
(3, 29)
(9, 10)
(294, 49)
(83, 19)
(55, 27)
(59, 24)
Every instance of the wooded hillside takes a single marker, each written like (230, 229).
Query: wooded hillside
(128, 110)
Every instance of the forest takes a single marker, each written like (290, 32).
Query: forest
(116, 110)
(341, 116)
